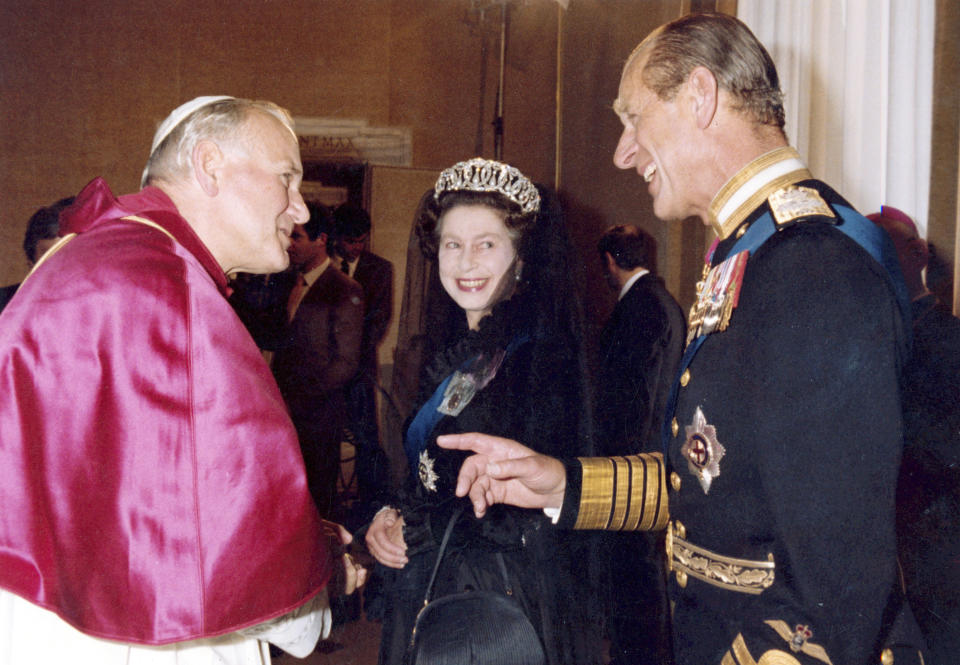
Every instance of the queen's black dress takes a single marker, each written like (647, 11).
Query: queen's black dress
(535, 397)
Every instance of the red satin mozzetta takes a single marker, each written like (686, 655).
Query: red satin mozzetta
(151, 485)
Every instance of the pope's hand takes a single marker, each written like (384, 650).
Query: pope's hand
(504, 471)
(350, 576)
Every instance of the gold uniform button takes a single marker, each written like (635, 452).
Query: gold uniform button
(674, 426)
(886, 657)
(682, 580)
(741, 231)
(681, 531)
(685, 377)
(675, 481)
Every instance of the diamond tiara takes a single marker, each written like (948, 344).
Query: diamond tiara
(486, 175)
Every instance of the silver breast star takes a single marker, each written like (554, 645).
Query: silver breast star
(425, 470)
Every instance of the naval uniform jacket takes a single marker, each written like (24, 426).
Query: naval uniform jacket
(789, 554)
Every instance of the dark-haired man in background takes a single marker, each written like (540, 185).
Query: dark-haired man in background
(319, 353)
(640, 348)
(640, 344)
(375, 274)
(41, 234)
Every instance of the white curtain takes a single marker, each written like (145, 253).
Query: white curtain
(857, 77)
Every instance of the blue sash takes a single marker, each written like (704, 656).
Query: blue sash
(422, 425)
(855, 226)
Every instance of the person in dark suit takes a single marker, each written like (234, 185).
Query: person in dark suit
(319, 353)
(928, 490)
(640, 345)
(375, 274)
(42, 230)
(640, 349)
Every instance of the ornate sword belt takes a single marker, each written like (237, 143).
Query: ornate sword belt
(686, 559)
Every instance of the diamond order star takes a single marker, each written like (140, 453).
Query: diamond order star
(702, 450)
(427, 475)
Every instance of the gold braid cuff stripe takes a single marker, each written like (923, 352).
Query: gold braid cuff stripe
(728, 573)
(623, 493)
(486, 175)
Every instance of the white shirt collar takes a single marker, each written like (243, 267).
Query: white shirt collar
(630, 282)
(311, 276)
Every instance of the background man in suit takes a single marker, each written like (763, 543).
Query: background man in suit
(40, 236)
(375, 275)
(640, 349)
(640, 344)
(320, 352)
(928, 491)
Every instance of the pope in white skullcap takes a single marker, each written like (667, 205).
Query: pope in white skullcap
(173, 120)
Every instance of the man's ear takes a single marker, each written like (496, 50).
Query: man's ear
(206, 160)
(704, 95)
(610, 263)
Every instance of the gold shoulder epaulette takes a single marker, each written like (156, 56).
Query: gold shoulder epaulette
(792, 203)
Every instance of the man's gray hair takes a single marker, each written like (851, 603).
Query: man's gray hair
(726, 47)
(214, 118)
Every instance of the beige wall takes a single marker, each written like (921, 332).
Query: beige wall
(395, 193)
(83, 85)
(598, 37)
(944, 159)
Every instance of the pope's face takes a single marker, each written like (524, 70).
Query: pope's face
(653, 143)
(261, 195)
(476, 259)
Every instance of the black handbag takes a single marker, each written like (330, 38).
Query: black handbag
(472, 627)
